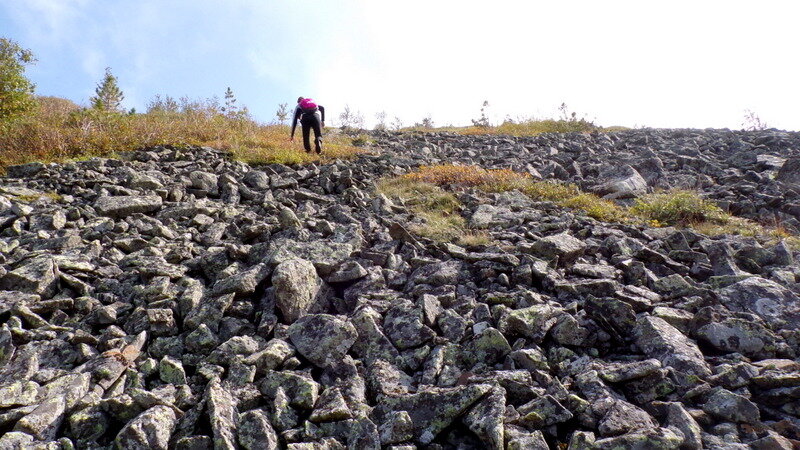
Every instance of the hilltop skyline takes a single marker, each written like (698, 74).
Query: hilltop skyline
(620, 63)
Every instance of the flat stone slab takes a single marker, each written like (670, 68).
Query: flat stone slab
(123, 205)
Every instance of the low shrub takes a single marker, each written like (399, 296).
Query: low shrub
(678, 207)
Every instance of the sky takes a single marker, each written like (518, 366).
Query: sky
(671, 64)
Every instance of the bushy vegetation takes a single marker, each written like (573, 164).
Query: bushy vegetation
(16, 91)
(58, 130)
(678, 207)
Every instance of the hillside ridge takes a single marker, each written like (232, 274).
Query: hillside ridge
(177, 298)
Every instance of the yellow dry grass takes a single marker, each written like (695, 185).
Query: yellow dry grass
(57, 132)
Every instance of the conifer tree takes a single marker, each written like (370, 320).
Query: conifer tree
(16, 91)
(108, 95)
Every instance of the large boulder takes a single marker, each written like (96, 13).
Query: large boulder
(790, 172)
(151, 429)
(563, 246)
(621, 182)
(296, 287)
(658, 339)
(777, 305)
(322, 339)
(36, 276)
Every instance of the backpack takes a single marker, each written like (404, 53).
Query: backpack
(308, 105)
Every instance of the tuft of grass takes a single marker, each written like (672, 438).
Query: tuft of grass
(490, 180)
(596, 207)
(437, 209)
(420, 196)
(439, 226)
(550, 191)
(474, 239)
(52, 196)
(679, 207)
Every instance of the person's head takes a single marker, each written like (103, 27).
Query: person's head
(299, 99)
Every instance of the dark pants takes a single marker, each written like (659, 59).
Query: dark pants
(309, 121)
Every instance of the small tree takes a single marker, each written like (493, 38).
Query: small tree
(484, 120)
(108, 95)
(426, 123)
(752, 122)
(16, 91)
(230, 107)
(351, 119)
(282, 113)
(381, 116)
(397, 124)
(165, 105)
(230, 110)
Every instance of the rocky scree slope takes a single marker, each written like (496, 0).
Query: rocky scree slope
(179, 299)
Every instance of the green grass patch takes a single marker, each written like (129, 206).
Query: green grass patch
(52, 196)
(437, 209)
(682, 208)
(679, 207)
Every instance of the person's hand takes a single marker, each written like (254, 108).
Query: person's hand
(323, 124)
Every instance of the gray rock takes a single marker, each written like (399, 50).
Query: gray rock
(322, 339)
(678, 417)
(543, 412)
(255, 431)
(209, 312)
(171, 371)
(326, 256)
(44, 421)
(151, 429)
(331, 406)
(302, 391)
(487, 348)
(623, 417)
(256, 179)
(622, 182)
(242, 283)
(533, 322)
(485, 419)
(662, 341)
(349, 271)
(37, 276)
(204, 181)
(562, 246)
(659, 438)
(222, 414)
(738, 335)
(396, 428)
(732, 407)
(403, 325)
(790, 172)
(124, 206)
(296, 288)
(778, 306)
(432, 410)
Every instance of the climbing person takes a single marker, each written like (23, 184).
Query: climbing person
(311, 116)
